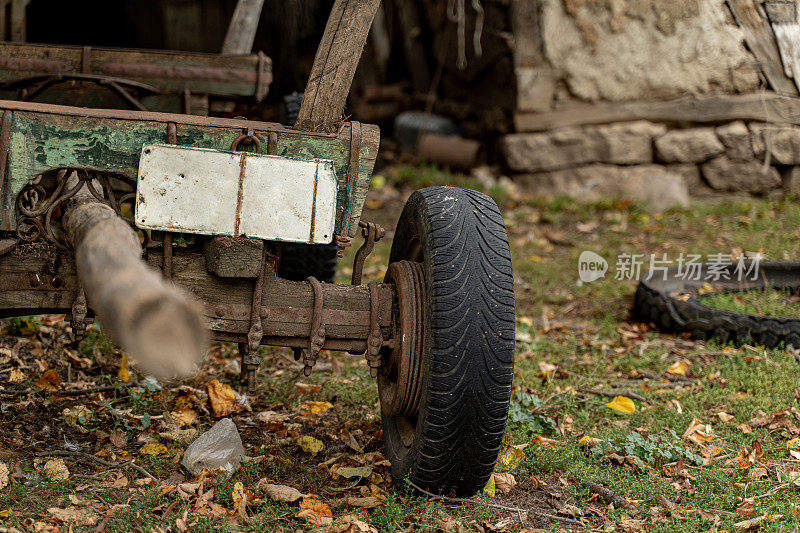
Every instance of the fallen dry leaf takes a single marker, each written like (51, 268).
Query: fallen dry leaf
(623, 404)
(3, 475)
(184, 417)
(725, 417)
(315, 408)
(504, 482)
(589, 442)
(50, 380)
(55, 470)
(154, 448)
(123, 374)
(238, 494)
(78, 414)
(490, 487)
(368, 502)
(16, 376)
(307, 388)
(280, 493)
(698, 432)
(310, 444)
(511, 457)
(711, 451)
(222, 398)
(315, 511)
(353, 524)
(71, 515)
(747, 508)
(678, 368)
(353, 471)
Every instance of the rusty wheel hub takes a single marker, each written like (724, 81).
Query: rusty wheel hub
(400, 380)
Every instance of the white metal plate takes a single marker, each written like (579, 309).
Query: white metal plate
(213, 192)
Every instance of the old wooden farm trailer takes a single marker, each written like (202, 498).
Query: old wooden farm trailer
(216, 202)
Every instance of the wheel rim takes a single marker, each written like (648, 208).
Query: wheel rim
(400, 380)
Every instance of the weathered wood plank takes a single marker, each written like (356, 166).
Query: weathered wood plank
(335, 64)
(167, 71)
(760, 40)
(47, 137)
(242, 28)
(783, 18)
(766, 107)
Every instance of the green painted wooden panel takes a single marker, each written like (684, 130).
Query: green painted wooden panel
(45, 141)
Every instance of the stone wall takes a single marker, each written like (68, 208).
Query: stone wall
(655, 163)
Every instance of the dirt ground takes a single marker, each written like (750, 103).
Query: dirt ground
(87, 443)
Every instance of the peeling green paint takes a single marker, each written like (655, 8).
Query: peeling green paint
(41, 142)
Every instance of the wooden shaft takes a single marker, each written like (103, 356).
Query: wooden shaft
(242, 28)
(335, 65)
(157, 324)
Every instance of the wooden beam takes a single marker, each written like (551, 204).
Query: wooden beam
(783, 18)
(242, 28)
(759, 38)
(764, 107)
(335, 64)
(158, 324)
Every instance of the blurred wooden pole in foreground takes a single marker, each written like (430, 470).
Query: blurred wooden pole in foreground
(157, 324)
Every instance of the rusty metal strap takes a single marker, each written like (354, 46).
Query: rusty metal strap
(5, 140)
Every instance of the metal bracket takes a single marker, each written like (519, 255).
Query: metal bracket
(251, 359)
(375, 339)
(316, 335)
(372, 233)
(77, 317)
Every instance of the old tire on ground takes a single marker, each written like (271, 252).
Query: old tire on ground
(445, 390)
(671, 303)
(300, 261)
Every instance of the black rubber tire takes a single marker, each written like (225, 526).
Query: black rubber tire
(672, 304)
(291, 108)
(300, 261)
(468, 354)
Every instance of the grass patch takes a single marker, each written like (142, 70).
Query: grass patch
(755, 302)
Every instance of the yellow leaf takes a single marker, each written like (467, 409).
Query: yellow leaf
(623, 404)
(678, 368)
(154, 448)
(50, 380)
(16, 376)
(123, 373)
(310, 444)
(793, 444)
(238, 493)
(712, 451)
(222, 398)
(5, 513)
(705, 289)
(510, 458)
(589, 442)
(490, 487)
(55, 470)
(315, 408)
